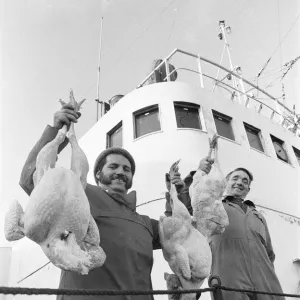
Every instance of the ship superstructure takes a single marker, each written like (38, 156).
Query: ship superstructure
(169, 118)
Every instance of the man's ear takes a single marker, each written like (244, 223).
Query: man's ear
(249, 188)
(98, 174)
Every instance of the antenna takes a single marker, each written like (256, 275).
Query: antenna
(98, 76)
(222, 36)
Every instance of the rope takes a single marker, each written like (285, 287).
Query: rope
(257, 292)
(82, 292)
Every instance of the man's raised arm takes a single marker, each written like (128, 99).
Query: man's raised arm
(63, 117)
(182, 186)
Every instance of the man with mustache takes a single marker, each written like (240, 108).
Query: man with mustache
(243, 255)
(127, 238)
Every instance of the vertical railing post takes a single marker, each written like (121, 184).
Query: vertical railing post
(167, 70)
(200, 71)
(260, 108)
(215, 282)
(272, 115)
(247, 102)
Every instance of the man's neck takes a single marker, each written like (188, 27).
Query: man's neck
(111, 191)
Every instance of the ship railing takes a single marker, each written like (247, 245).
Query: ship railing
(240, 91)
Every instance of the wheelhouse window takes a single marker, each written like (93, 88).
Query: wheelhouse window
(279, 149)
(223, 125)
(146, 120)
(297, 153)
(254, 137)
(187, 115)
(114, 136)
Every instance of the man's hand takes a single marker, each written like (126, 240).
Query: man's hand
(176, 180)
(205, 164)
(65, 116)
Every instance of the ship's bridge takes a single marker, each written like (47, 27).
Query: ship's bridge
(167, 119)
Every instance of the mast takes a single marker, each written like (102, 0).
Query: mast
(235, 82)
(98, 75)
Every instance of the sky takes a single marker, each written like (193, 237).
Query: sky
(48, 47)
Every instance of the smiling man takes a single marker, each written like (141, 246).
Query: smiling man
(243, 255)
(127, 238)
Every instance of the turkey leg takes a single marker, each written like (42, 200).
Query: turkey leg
(79, 162)
(47, 156)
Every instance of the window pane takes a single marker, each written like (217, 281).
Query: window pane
(279, 149)
(147, 122)
(187, 117)
(297, 153)
(224, 127)
(254, 139)
(115, 139)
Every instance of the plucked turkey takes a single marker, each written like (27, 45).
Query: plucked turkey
(206, 190)
(57, 216)
(184, 248)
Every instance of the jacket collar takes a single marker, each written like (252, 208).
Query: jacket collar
(247, 202)
(128, 200)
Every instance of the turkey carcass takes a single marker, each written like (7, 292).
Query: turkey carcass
(206, 190)
(184, 248)
(57, 216)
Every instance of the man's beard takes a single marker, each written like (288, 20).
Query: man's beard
(107, 180)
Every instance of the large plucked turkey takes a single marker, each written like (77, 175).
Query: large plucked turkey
(57, 216)
(184, 248)
(206, 190)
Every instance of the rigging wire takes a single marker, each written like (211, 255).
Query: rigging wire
(289, 65)
(270, 72)
(115, 63)
(174, 20)
(266, 64)
(279, 35)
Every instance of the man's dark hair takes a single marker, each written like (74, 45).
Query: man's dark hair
(241, 169)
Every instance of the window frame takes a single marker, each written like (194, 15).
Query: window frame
(282, 143)
(259, 135)
(142, 111)
(109, 134)
(297, 154)
(192, 106)
(227, 118)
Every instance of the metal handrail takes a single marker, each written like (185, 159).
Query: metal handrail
(168, 74)
(220, 81)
